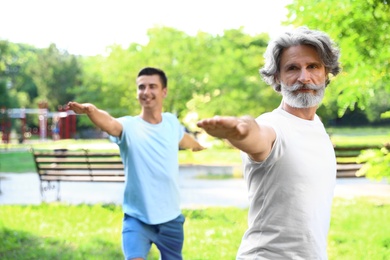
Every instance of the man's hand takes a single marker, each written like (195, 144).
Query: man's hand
(78, 108)
(189, 142)
(198, 148)
(243, 133)
(231, 128)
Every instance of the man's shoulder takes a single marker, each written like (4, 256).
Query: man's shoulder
(270, 115)
(126, 118)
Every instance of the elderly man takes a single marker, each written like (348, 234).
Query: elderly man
(289, 161)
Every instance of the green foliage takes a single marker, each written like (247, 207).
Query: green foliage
(54, 74)
(376, 163)
(14, 62)
(4, 95)
(6, 71)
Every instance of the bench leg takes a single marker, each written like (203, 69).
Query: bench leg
(42, 192)
(58, 191)
(49, 186)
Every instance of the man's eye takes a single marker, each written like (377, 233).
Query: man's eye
(313, 67)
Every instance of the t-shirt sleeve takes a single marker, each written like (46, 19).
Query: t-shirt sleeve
(118, 139)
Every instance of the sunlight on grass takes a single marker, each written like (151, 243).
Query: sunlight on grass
(359, 136)
(359, 230)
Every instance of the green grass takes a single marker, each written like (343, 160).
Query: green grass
(359, 230)
(359, 136)
(60, 232)
(17, 162)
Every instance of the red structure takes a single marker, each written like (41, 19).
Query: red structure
(67, 122)
(5, 125)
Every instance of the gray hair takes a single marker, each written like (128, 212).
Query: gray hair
(325, 47)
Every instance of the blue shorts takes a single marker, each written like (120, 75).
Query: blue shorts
(137, 238)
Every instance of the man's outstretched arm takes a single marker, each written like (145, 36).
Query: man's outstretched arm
(243, 133)
(189, 142)
(99, 117)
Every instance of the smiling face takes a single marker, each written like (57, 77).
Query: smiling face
(150, 92)
(302, 76)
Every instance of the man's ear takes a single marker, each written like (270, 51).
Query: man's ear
(165, 92)
(277, 80)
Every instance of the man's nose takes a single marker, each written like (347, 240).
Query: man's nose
(304, 76)
(146, 90)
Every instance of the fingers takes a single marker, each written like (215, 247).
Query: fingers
(197, 149)
(78, 108)
(230, 128)
(218, 122)
(72, 105)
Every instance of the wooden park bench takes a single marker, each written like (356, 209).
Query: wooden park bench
(61, 165)
(346, 160)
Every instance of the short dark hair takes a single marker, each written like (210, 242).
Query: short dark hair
(149, 71)
(325, 47)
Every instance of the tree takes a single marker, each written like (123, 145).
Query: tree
(55, 72)
(7, 72)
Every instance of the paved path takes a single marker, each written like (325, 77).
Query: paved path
(195, 193)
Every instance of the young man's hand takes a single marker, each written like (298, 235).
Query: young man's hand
(78, 108)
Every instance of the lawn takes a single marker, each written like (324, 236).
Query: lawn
(359, 136)
(359, 230)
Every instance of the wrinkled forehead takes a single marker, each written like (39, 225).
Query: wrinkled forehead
(300, 53)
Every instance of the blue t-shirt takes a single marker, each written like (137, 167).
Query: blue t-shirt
(150, 156)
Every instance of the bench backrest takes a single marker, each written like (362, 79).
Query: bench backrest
(81, 165)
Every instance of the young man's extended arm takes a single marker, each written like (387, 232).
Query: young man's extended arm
(243, 133)
(99, 117)
(189, 142)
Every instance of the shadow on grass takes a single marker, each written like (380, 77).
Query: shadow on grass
(21, 245)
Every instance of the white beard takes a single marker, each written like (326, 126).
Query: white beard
(302, 100)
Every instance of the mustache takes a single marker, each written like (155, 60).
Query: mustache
(299, 86)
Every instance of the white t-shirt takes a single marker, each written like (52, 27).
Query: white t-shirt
(290, 193)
